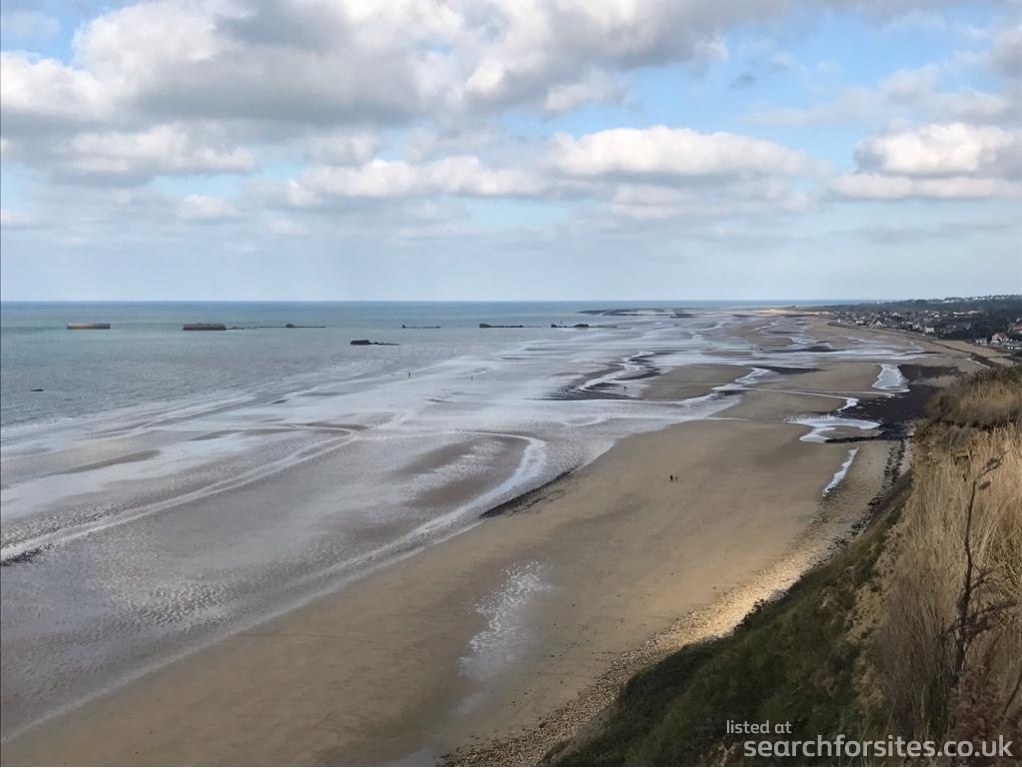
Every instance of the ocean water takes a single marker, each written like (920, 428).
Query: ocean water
(166, 489)
(145, 357)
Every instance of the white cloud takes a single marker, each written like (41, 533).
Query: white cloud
(191, 88)
(951, 149)
(15, 220)
(877, 186)
(206, 208)
(597, 87)
(42, 95)
(943, 161)
(903, 95)
(589, 166)
(279, 62)
(744, 200)
(380, 179)
(474, 138)
(650, 175)
(531, 48)
(337, 63)
(164, 149)
(345, 147)
(674, 152)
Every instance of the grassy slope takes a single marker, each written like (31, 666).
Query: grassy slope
(790, 660)
(799, 659)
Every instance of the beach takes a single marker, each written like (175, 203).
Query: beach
(458, 383)
(498, 641)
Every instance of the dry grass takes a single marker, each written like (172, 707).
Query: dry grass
(987, 399)
(914, 630)
(949, 646)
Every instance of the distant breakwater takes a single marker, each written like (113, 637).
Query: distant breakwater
(223, 327)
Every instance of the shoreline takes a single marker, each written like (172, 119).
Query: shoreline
(122, 713)
(581, 718)
(170, 693)
(978, 354)
(583, 715)
(270, 504)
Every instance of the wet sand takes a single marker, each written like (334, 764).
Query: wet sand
(692, 381)
(504, 639)
(374, 673)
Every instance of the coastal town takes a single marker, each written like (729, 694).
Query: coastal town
(983, 320)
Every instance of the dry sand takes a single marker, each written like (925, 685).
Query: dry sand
(624, 566)
(373, 673)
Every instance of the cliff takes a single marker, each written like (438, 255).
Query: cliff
(913, 630)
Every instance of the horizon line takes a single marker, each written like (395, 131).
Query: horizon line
(786, 300)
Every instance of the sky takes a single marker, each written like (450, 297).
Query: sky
(510, 149)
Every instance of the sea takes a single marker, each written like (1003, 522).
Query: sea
(162, 489)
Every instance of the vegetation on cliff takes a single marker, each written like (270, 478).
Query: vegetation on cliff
(914, 630)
